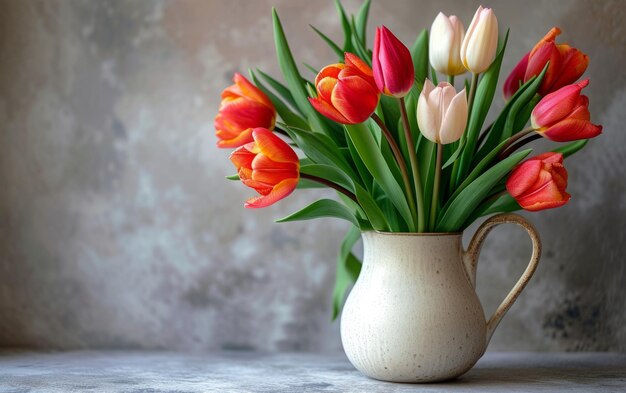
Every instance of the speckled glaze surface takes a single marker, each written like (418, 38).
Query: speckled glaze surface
(413, 314)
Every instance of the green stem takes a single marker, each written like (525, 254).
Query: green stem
(517, 137)
(505, 153)
(451, 79)
(435, 201)
(330, 184)
(414, 167)
(401, 164)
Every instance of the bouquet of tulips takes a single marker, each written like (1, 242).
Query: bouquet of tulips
(405, 152)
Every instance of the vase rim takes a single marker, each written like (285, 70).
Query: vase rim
(414, 234)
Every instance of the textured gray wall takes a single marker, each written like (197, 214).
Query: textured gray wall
(117, 228)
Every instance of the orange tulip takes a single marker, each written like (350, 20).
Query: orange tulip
(243, 108)
(346, 93)
(539, 183)
(567, 64)
(268, 165)
(563, 116)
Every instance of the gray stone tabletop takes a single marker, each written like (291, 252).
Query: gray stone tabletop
(143, 371)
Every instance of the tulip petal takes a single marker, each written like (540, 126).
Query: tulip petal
(331, 71)
(572, 130)
(548, 196)
(549, 37)
(426, 121)
(354, 61)
(271, 172)
(573, 66)
(325, 88)
(244, 88)
(244, 137)
(280, 191)
(273, 147)
(242, 157)
(547, 52)
(557, 105)
(516, 78)
(244, 113)
(523, 177)
(481, 44)
(455, 119)
(327, 110)
(354, 98)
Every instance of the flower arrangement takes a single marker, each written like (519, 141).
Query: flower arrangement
(405, 152)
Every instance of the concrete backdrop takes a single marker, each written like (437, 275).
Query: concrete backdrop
(118, 230)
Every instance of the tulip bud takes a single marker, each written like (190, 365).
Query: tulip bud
(444, 48)
(243, 108)
(481, 41)
(539, 183)
(268, 165)
(441, 112)
(567, 64)
(346, 93)
(392, 64)
(563, 116)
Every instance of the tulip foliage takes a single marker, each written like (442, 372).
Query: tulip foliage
(403, 151)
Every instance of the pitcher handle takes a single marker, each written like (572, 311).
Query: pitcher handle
(470, 260)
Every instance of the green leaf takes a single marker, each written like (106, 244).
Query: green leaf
(359, 46)
(455, 155)
(571, 148)
(482, 101)
(345, 25)
(373, 159)
(320, 149)
(504, 204)
(338, 51)
(329, 173)
(520, 103)
(361, 22)
(233, 177)
(479, 169)
(286, 114)
(373, 212)
(348, 269)
(306, 184)
(322, 208)
(453, 218)
(281, 89)
(419, 53)
(292, 76)
(494, 136)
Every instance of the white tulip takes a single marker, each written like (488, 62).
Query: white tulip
(441, 112)
(444, 47)
(481, 41)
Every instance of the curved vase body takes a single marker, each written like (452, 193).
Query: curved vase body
(413, 314)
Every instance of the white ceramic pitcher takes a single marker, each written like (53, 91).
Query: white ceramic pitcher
(413, 314)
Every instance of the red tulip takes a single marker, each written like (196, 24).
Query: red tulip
(243, 108)
(539, 183)
(563, 116)
(346, 93)
(567, 64)
(392, 64)
(269, 165)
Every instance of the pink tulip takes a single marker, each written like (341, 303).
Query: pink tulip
(563, 116)
(392, 64)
